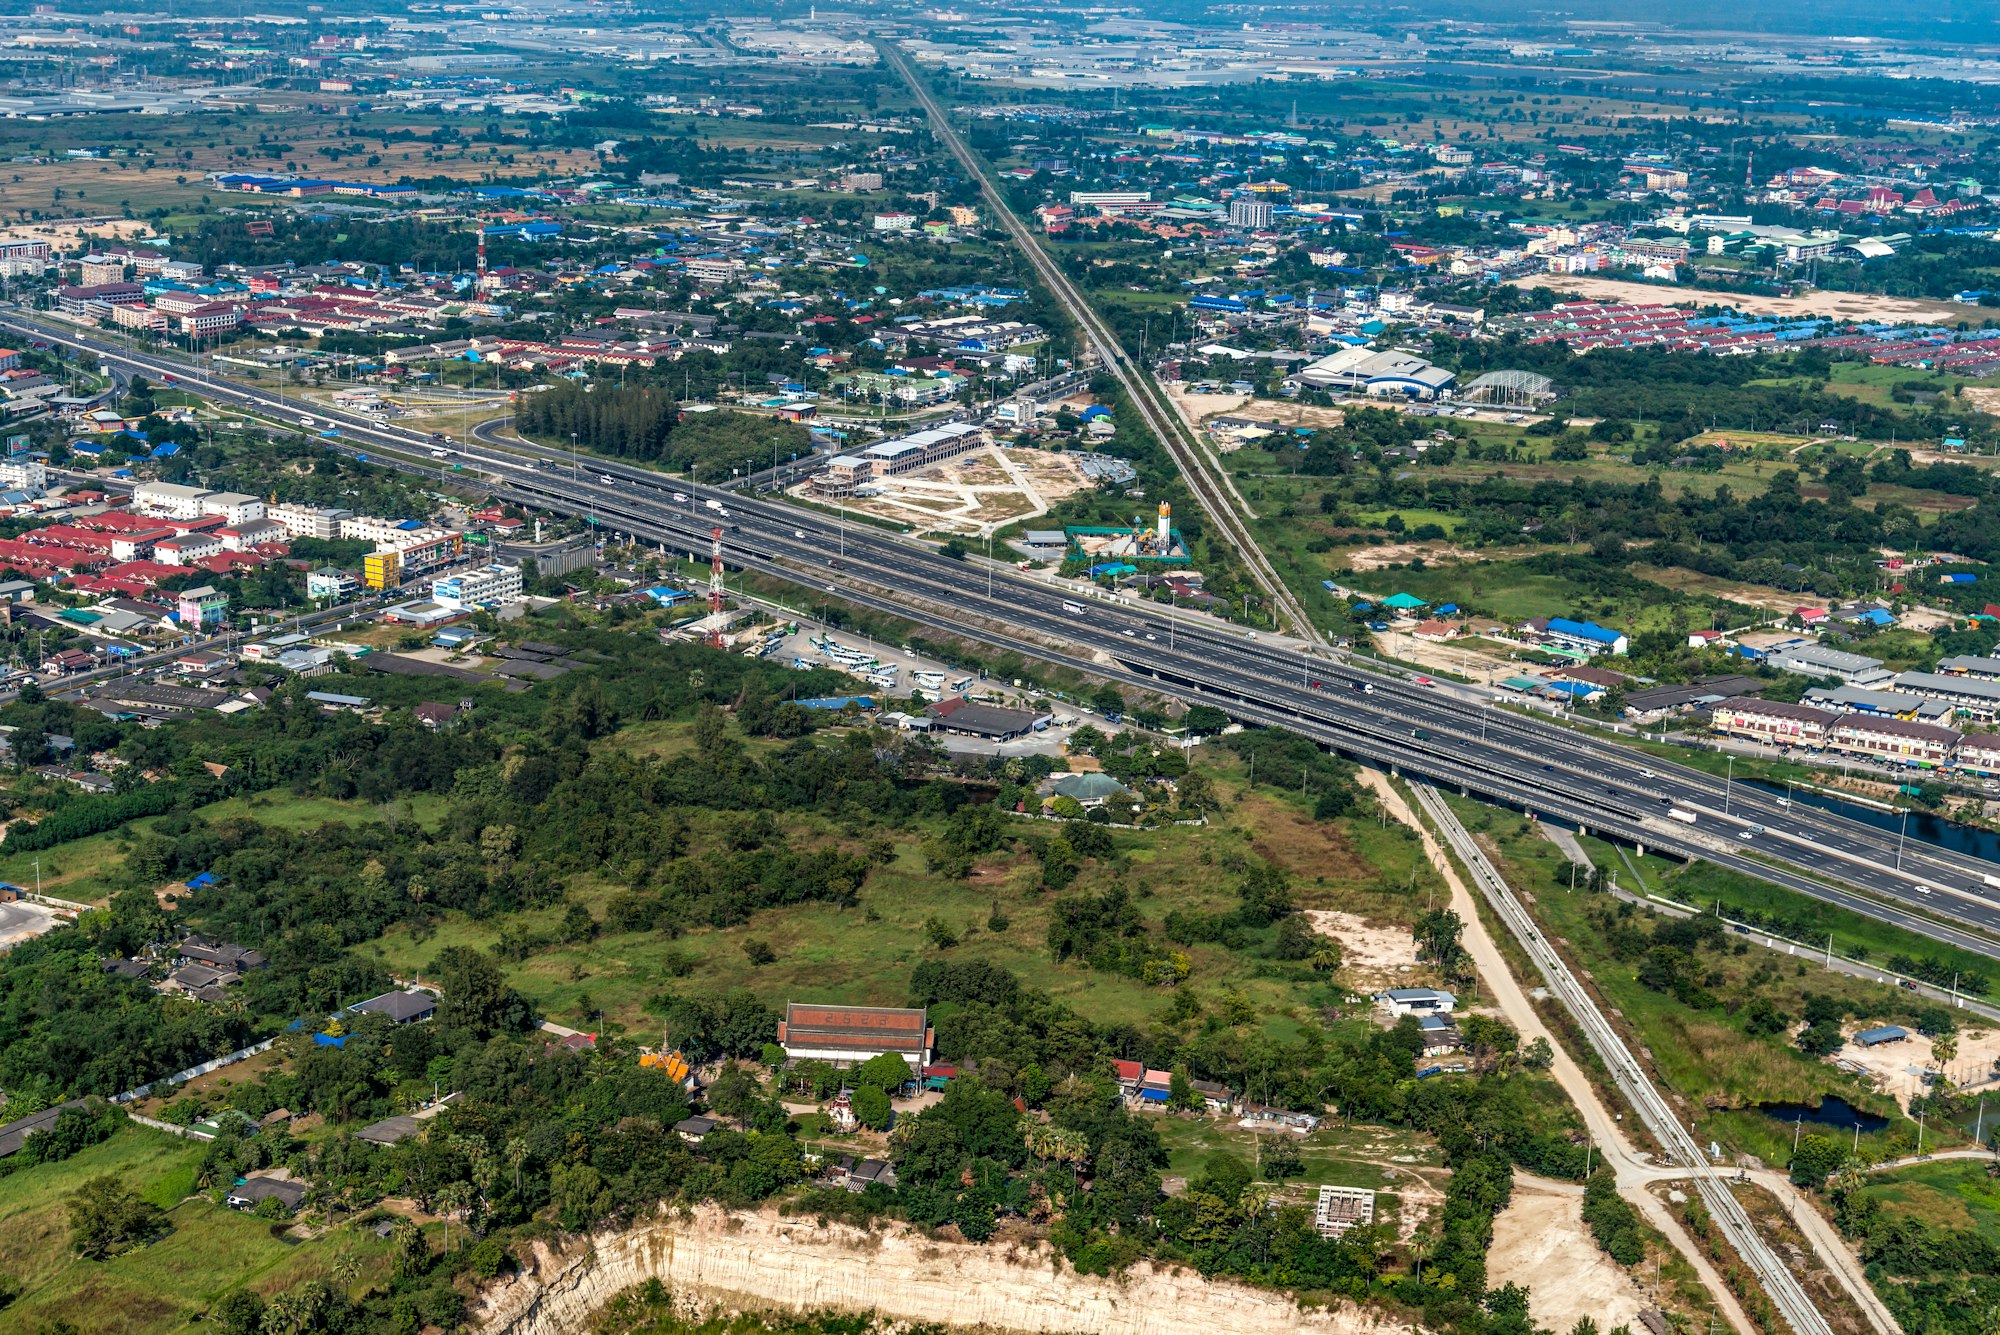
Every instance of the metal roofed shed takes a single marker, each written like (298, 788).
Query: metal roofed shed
(1513, 389)
(1888, 1033)
(993, 722)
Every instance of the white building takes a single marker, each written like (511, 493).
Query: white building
(24, 475)
(1343, 1208)
(170, 500)
(186, 549)
(308, 521)
(235, 507)
(1401, 1001)
(1251, 214)
(496, 583)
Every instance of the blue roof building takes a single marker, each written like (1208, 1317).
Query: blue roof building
(1588, 636)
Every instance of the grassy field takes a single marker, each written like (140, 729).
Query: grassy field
(164, 1287)
(866, 954)
(86, 869)
(1706, 1056)
(1948, 1193)
(1363, 1156)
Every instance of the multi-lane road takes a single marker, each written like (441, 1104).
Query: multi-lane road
(1454, 738)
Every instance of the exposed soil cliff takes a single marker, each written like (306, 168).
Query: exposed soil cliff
(764, 1261)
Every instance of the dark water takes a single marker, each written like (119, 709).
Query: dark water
(1924, 827)
(1833, 1112)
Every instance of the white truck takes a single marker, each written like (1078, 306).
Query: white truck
(1681, 814)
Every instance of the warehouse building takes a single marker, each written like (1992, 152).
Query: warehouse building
(1816, 660)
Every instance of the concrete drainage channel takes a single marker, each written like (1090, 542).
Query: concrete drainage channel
(1778, 1283)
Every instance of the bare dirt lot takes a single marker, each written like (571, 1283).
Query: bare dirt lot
(1371, 956)
(1402, 553)
(1540, 1241)
(1198, 408)
(1840, 305)
(974, 493)
(1899, 1068)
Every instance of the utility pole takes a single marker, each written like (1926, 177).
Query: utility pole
(715, 587)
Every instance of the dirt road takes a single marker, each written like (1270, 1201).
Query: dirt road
(1633, 1169)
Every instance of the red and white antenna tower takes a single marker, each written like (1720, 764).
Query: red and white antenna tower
(482, 259)
(715, 587)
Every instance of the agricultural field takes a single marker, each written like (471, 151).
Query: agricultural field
(166, 1286)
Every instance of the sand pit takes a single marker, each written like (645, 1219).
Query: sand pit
(1861, 306)
(1369, 955)
(1540, 1241)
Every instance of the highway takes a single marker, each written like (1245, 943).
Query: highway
(1541, 767)
(1651, 1107)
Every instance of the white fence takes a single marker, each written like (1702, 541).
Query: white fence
(178, 1076)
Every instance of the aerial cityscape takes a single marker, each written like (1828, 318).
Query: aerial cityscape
(793, 669)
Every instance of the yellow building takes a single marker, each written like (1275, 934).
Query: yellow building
(382, 570)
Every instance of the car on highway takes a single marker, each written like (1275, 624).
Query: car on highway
(1647, 774)
(1128, 632)
(1923, 889)
(1423, 681)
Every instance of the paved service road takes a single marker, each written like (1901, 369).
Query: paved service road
(21, 921)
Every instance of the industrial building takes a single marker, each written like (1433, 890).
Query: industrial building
(1816, 660)
(1380, 374)
(844, 475)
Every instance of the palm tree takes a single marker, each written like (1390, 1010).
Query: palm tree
(517, 1154)
(1422, 1249)
(1325, 957)
(346, 1270)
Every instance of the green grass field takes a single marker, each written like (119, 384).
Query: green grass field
(86, 869)
(163, 1287)
(866, 954)
(1364, 1156)
(1946, 1194)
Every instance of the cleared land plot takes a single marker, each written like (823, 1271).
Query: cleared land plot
(1860, 306)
